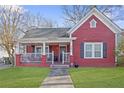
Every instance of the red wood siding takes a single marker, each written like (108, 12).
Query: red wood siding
(68, 48)
(99, 34)
(29, 48)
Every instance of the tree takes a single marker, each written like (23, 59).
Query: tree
(38, 21)
(120, 51)
(14, 22)
(10, 17)
(73, 14)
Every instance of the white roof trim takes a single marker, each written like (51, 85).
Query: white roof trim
(114, 28)
(93, 20)
(40, 40)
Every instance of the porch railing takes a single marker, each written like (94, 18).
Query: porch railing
(50, 57)
(31, 57)
(65, 57)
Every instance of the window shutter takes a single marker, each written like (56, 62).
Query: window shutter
(104, 50)
(82, 50)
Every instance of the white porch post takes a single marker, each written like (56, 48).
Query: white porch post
(63, 57)
(44, 50)
(44, 57)
(71, 54)
(71, 48)
(17, 48)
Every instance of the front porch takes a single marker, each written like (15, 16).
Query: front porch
(44, 54)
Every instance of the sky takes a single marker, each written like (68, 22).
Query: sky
(54, 12)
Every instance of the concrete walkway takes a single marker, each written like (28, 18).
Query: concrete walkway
(58, 78)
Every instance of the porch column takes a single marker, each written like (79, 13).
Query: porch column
(71, 54)
(71, 48)
(44, 51)
(44, 57)
(17, 48)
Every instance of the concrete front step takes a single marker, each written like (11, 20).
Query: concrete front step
(59, 66)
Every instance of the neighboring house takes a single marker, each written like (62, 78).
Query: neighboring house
(90, 43)
(3, 53)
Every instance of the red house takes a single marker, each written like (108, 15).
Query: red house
(90, 43)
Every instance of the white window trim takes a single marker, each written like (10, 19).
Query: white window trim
(25, 49)
(60, 45)
(91, 26)
(93, 56)
(41, 48)
(48, 49)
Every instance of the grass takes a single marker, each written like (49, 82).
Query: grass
(20, 77)
(98, 77)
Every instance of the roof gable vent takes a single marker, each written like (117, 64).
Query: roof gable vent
(93, 23)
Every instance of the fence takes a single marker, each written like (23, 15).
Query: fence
(31, 57)
(50, 57)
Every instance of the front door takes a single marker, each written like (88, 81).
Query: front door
(55, 49)
(62, 49)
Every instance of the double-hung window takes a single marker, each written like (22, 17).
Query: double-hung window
(93, 50)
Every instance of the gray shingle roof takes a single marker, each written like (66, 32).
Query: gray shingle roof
(46, 32)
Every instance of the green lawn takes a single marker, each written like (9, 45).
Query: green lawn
(22, 77)
(98, 77)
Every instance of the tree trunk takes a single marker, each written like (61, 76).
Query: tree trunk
(12, 60)
(11, 57)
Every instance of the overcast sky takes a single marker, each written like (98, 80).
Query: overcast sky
(54, 12)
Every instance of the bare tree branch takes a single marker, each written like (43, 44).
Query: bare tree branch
(73, 14)
(13, 22)
(9, 20)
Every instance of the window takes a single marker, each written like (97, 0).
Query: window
(93, 50)
(89, 50)
(47, 49)
(93, 23)
(22, 49)
(97, 50)
(38, 49)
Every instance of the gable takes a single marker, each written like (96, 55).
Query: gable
(113, 27)
(100, 30)
(85, 27)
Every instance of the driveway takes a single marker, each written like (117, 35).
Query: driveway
(3, 66)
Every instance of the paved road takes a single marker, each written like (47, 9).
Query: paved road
(58, 78)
